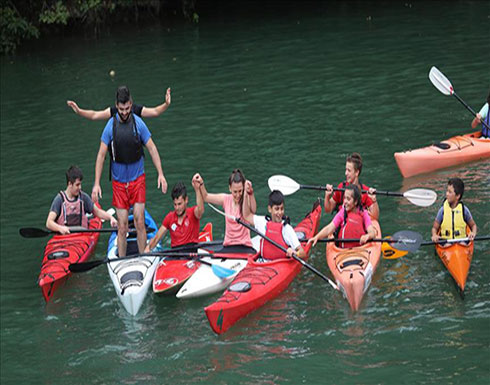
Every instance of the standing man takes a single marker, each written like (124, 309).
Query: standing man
(124, 136)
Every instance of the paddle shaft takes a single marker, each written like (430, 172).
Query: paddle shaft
(469, 108)
(323, 188)
(456, 240)
(305, 264)
(34, 232)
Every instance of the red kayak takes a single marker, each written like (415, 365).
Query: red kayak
(259, 283)
(172, 274)
(61, 251)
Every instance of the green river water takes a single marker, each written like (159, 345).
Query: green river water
(283, 88)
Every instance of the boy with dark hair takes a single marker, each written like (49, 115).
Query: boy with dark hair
(183, 222)
(276, 227)
(70, 206)
(453, 217)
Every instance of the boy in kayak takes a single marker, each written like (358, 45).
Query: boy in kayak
(275, 226)
(70, 206)
(125, 134)
(141, 111)
(183, 221)
(237, 237)
(453, 217)
(483, 117)
(354, 221)
(353, 168)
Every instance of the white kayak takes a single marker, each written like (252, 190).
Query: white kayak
(132, 277)
(205, 282)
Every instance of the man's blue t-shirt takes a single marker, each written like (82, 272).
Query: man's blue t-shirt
(127, 172)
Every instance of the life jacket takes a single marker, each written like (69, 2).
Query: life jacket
(485, 132)
(72, 212)
(453, 224)
(364, 189)
(352, 227)
(126, 146)
(273, 230)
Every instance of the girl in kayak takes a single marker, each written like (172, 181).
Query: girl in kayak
(141, 111)
(354, 222)
(453, 217)
(483, 116)
(353, 168)
(241, 190)
(275, 226)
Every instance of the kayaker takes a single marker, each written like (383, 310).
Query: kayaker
(241, 190)
(183, 221)
(353, 168)
(141, 111)
(70, 206)
(126, 134)
(453, 217)
(484, 116)
(275, 226)
(354, 221)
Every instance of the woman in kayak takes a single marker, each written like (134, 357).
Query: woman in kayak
(241, 190)
(483, 116)
(354, 222)
(353, 168)
(141, 111)
(453, 217)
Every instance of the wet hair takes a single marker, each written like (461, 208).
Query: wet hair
(276, 198)
(73, 173)
(179, 190)
(357, 194)
(236, 177)
(122, 95)
(356, 160)
(458, 186)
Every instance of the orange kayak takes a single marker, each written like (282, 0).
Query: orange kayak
(457, 259)
(353, 268)
(451, 152)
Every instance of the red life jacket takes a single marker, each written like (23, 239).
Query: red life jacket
(273, 230)
(72, 212)
(352, 227)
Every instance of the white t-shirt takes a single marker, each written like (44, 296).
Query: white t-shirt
(288, 232)
(484, 111)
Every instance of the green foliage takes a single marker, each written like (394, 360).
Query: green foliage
(14, 28)
(55, 14)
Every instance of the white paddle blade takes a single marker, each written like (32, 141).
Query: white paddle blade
(284, 184)
(440, 81)
(421, 197)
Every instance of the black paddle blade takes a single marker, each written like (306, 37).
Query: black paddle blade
(85, 266)
(407, 240)
(33, 232)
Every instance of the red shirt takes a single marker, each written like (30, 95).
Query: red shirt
(338, 196)
(186, 232)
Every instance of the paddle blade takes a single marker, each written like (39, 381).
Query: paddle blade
(406, 240)
(284, 184)
(85, 266)
(33, 232)
(222, 272)
(391, 253)
(440, 81)
(421, 197)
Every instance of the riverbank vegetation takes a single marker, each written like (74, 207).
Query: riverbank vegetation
(32, 19)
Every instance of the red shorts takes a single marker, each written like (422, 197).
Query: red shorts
(125, 195)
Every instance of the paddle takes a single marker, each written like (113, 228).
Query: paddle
(392, 254)
(443, 84)
(404, 240)
(288, 186)
(251, 228)
(34, 232)
(219, 271)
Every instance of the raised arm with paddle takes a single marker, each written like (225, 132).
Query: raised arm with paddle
(288, 186)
